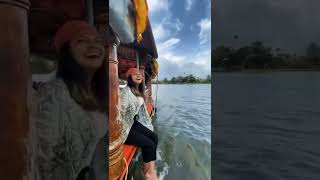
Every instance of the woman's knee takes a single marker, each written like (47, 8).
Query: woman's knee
(155, 139)
(150, 143)
(153, 143)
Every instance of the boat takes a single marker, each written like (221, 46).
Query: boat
(133, 46)
(136, 55)
(30, 26)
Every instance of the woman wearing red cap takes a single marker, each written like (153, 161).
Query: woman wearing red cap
(137, 127)
(69, 117)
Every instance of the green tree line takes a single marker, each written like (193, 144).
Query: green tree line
(258, 56)
(189, 79)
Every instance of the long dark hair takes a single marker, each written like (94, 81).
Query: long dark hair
(74, 77)
(136, 91)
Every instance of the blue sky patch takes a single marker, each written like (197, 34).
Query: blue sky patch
(182, 31)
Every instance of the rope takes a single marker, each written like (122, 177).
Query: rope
(127, 168)
(155, 104)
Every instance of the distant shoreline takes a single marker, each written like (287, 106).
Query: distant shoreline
(271, 70)
(181, 83)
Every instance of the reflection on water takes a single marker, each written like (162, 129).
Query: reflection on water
(183, 123)
(266, 126)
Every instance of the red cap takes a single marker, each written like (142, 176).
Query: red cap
(132, 71)
(71, 30)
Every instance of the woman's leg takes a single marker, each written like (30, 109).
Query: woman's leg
(140, 136)
(150, 171)
(145, 131)
(149, 148)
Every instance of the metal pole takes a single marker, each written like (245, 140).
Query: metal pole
(137, 58)
(14, 76)
(90, 12)
(116, 164)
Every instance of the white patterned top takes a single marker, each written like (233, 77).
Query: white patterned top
(63, 135)
(132, 105)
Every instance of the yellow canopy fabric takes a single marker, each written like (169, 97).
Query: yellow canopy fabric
(141, 8)
(156, 68)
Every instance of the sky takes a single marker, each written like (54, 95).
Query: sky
(287, 24)
(182, 32)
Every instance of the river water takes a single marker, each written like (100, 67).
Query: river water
(266, 126)
(183, 124)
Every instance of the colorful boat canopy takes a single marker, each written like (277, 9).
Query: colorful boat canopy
(141, 8)
(122, 19)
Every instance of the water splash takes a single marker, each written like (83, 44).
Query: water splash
(165, 172)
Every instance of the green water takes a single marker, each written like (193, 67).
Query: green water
(183, 124)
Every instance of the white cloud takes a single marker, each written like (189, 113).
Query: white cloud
(169, 69)
(203, 58)
(188, 5)
(167, 45)
(178, 24)
(155, 6)
(159, 32)
(168, 27)
(166, 51)
(175, 64)
(163, 24)
(205, 30)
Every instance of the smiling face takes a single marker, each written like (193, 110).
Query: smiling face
(137, 78)
(88, 51)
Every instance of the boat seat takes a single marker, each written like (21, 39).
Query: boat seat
(128, 153)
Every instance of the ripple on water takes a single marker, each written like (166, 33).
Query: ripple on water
(187, 158)
(270, 132)
(183, 124)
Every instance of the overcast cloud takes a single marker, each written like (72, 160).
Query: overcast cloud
(286, 24)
